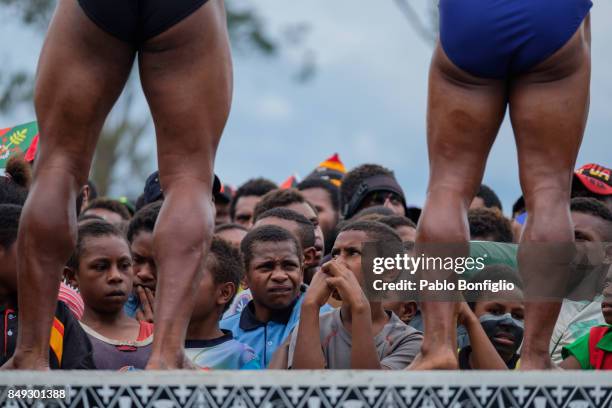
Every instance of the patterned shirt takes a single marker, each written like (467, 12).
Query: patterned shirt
(222, 353)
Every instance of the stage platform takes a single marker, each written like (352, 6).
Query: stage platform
(307, 389)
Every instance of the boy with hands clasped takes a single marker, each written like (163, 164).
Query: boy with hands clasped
(360, 334)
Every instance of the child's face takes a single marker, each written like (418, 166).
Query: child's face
(294, 228)
(105, 274)
(8, 268)
(307, 211)
(145, 270)
(505, 336)
(274, 274)
(205, 297)
(211, 296)
(606, 304)
(347, 248)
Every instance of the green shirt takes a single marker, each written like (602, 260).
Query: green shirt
(492, 253)
(580, 348)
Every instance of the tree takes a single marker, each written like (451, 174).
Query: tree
(122, 145)
(427, 31)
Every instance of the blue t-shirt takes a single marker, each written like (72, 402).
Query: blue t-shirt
(223, 353)
(265, 338)
(132, 305)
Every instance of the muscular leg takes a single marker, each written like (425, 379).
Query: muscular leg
(80, 75)
(548, 108)
(186, 74)
(464, 115)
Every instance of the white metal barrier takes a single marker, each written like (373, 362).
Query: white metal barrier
(306, 389)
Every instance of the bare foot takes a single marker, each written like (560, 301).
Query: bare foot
(23, 362)
(540, 361)
(443, 358)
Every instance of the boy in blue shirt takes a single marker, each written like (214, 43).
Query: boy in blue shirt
(273, 262)
(208, 346)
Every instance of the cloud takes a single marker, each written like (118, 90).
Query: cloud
(273, 108)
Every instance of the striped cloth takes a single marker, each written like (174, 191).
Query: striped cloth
(72, 299)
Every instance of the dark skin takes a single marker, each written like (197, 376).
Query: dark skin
(386, 199)
(484, 356)
(274, 276)
(500, 304)
(145, 274)
(327, 215)
(404, 310)
(341, 277)
(234, 236)
(548, 110)
(307, 211)
(244, 210)
(309, 253)
(104, 278)
(106, 215)
(210, 302)
(82, 70)
(8, 277)
(571, 363)
(222, 214)
(407, 234)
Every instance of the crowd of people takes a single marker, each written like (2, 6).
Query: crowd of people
(283, 285)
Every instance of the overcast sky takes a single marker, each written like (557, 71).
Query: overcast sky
(367, 100)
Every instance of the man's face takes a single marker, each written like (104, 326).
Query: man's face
(222, 215)
(307, 211)
(274, 274)
(234, 236)
(387, 199)
(244, 210)
(328, 217)
(348, 249)
(145, 268)
(105, 274)
(588, 234)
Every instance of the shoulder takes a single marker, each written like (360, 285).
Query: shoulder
(401, 332)
(231, 322)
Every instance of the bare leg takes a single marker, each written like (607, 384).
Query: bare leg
(80, 75)
(186, 74)
(549, 108)
(464, 115)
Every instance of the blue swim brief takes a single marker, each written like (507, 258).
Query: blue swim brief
(501, 38)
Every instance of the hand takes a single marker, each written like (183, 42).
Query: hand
(147, 300)
(465, 315)
(318, 292)
(343, 280)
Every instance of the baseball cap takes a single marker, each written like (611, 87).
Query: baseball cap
(595, 178)
(154, 192)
